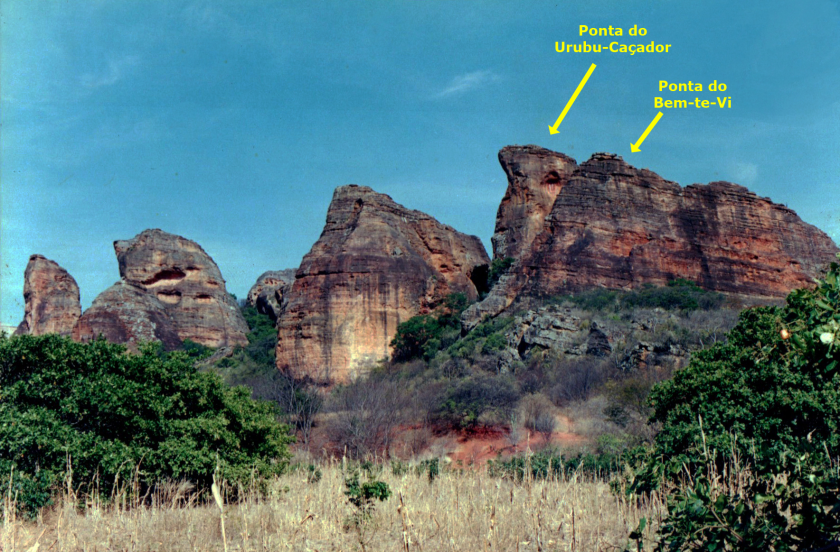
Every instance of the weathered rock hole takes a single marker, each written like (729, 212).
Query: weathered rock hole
(478, 276)
(170, 297)
(165, 275)
(204, 298)
(553, 177)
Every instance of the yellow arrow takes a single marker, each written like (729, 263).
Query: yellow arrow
(553, 129)
(635, 147)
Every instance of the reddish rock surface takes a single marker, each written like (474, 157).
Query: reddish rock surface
(51, 299)
(619, 227)
(169, 290)
(535, 177)
(126, 313)
(267, 294)
(375, 265)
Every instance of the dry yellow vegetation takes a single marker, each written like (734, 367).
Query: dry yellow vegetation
(461, 510)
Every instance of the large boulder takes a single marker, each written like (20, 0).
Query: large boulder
(170, 290)
(376, 265)
(267, 294)
(51, 298)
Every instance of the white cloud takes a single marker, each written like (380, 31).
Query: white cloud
(466, 82)
(115, 72)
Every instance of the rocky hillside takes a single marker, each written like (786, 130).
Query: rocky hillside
(561, 228)
(376, 265)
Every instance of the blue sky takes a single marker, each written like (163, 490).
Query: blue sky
(231, 122)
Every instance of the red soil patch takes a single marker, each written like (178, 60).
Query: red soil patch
(464, 448)
(476, 450)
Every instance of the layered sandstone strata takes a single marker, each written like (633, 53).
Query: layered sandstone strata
(375, 265)
(615, 226)
(51, 298)
(170, 290)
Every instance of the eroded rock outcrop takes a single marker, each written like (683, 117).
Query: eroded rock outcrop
(267, 294)
(170, 290)
(51, 298)
(375, 265)
(615, 226)
(535, 177)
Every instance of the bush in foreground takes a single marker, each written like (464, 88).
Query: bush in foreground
(751, 432)
(113, 417)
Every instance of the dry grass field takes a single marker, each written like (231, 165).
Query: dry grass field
(461, 510)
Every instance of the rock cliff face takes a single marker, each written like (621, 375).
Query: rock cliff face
(615, 226)
(535, 177)
(375, 265)
(51, 299)
(267, 294)
(169, 290)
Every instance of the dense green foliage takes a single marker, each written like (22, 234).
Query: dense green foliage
(113, 417)
(424, 335)
(486, 337)
(262, 338)
(255, 360)
(764, 404)
(680, 294)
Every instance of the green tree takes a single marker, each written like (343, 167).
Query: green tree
(413, 335)
(116, 416)
(767, 404)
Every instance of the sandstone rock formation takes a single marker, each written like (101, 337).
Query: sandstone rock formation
(375, 265)
(267, 294)
(535, 177)
(169, 290)
(615, 226)
(51, 299)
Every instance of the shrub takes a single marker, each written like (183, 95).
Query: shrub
(485, 339)
(262, 339)
(364, 495)
(413, 335)
(298, 399)
(575, 379)
(366, 415)
(497, 268)
(195, 350)
(538, 414)
(253, 364)
(768, 402)
(424, 335)
(683, 295)
(116, 415)
(478, 400)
